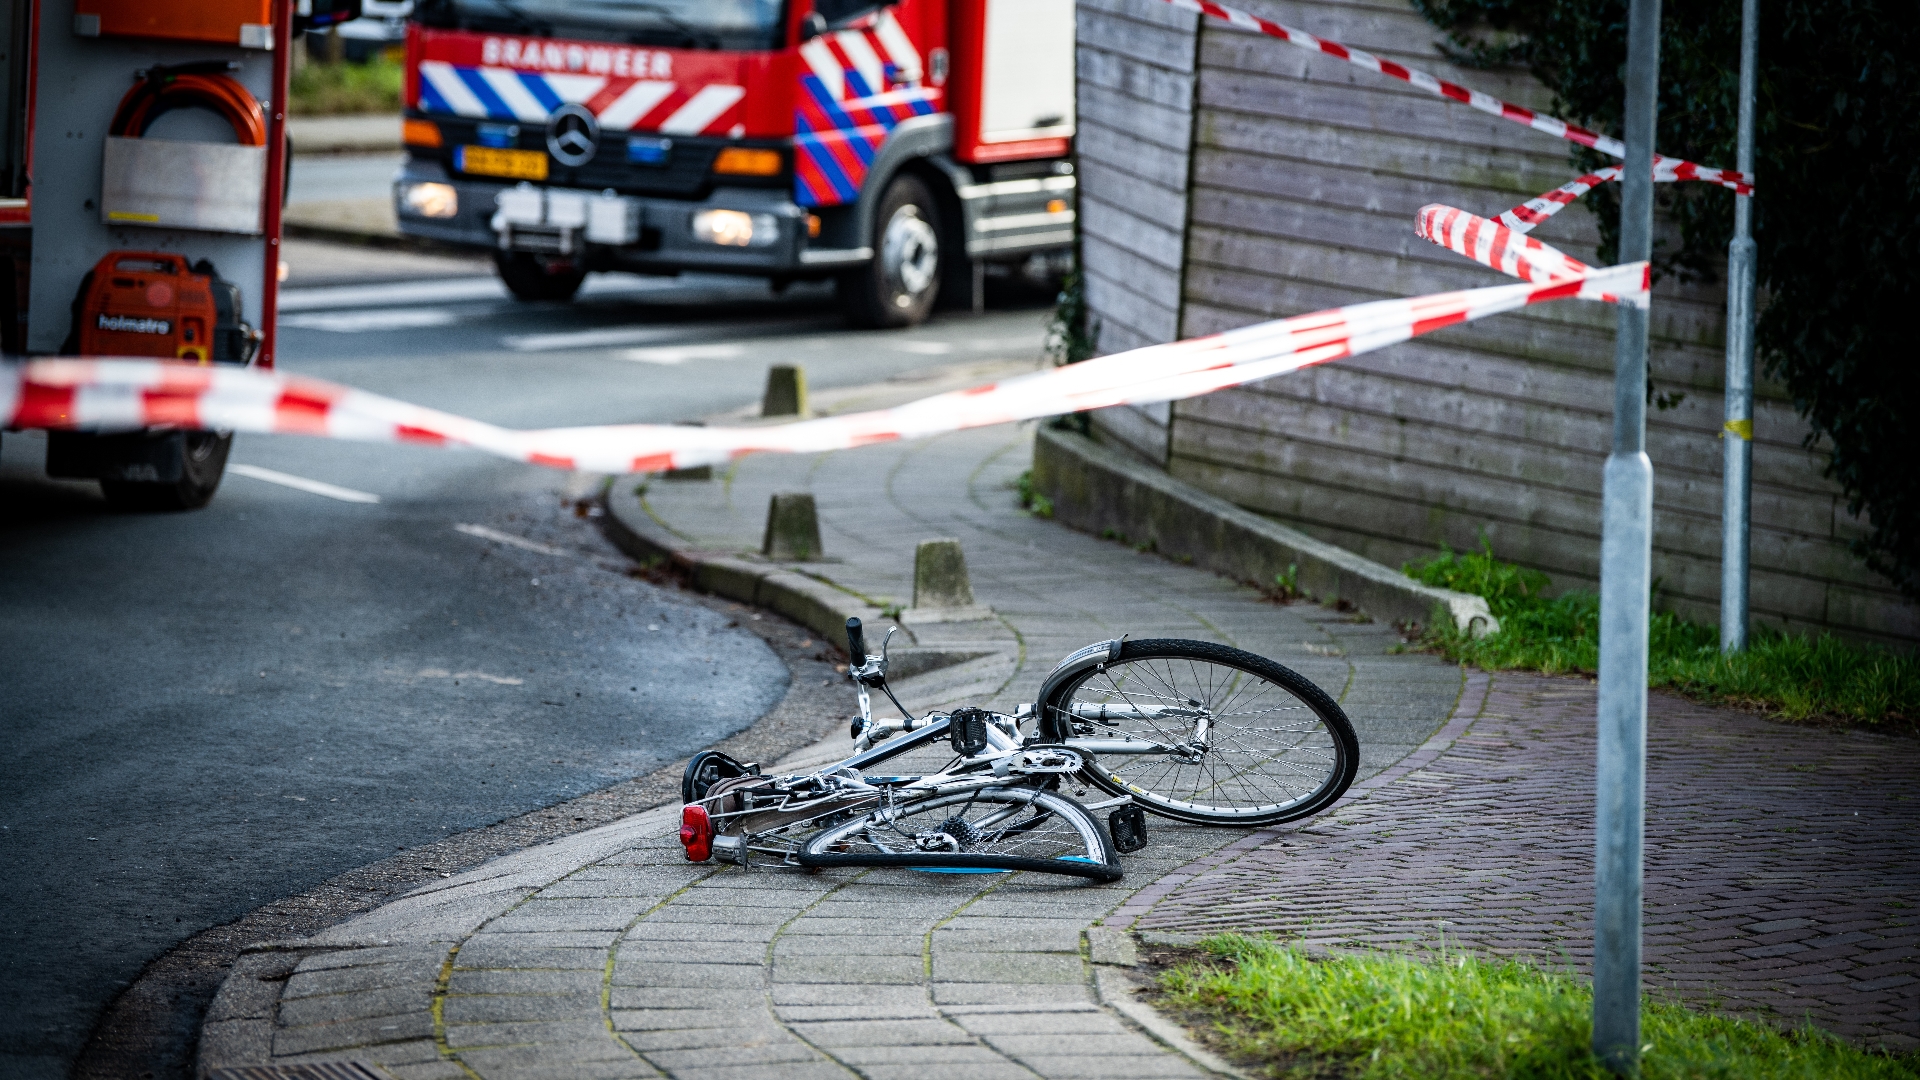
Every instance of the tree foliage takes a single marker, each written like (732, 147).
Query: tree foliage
(1837, 212)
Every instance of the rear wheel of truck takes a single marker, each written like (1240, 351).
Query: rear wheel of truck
(533, 277)
(899, 286)
(201, 468)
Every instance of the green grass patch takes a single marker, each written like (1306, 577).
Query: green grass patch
(1031, 500)
(1795, 676)
(1389, 1017)
(321, 89)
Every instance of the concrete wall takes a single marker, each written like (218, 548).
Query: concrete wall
(1304, 174)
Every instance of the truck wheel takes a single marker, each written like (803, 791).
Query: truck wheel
(201, 468)
(532, 278)
(899, 286)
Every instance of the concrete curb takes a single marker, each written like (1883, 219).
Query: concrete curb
(813, 604)
(1095, 489)
(363, 134)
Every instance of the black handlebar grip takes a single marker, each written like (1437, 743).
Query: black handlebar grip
(856, 643)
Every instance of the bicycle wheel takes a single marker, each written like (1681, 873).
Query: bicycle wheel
(1252, 743)
(989, 828)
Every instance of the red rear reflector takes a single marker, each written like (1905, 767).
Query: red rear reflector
(696, 832)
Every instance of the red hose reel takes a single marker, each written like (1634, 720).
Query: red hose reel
(200, 85)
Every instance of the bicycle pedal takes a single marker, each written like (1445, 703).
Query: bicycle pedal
(1128, 827)
(967, 728)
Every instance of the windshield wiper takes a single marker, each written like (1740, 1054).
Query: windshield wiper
(520, 18)
(693, 38)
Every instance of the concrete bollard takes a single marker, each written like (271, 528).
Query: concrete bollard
(793, 528)
(786, 392)
(940, 575)
(941, 590)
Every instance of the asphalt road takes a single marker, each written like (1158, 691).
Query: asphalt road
(203, 712)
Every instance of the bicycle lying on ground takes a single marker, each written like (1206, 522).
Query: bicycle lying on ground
(1190, 730)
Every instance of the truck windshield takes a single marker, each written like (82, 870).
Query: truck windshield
(685, 24)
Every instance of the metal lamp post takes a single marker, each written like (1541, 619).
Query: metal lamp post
(1626, 569)
(1737, 476)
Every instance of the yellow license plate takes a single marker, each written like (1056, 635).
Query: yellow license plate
(514, 164)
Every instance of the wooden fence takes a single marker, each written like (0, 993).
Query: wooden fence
(1228, 178)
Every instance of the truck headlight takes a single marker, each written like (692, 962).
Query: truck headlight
(432, 200)
(735, 228)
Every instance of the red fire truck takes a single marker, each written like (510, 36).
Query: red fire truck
(896, 148)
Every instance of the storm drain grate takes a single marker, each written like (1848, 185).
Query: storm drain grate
(312, 1070)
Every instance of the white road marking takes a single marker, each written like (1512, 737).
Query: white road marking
(510, 540)
(445, 291)
(465, 289)
(680, 354)
(360, 322)
(301, 483)
(927, 348)
(590, 339)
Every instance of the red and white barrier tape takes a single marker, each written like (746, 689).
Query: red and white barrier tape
(1493, 244)
(1677, 169)
(125, 395)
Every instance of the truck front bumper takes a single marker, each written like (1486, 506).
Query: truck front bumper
(755, 230)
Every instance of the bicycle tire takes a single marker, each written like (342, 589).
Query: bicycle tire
(990, 828)
(1295, 770)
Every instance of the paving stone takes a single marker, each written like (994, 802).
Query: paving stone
(490, 1061)
(785, 993)
(1025, 968)
(557, 937)
(984, 1070)
(785, 1070)
(1063, 936)
(1008, 994)
(428, 953)
(838, 1033)
(688, 1019)
(351, 1034)
(1115, 1041)
(525, 982)
(702, 976)
(347, 980)
(573, 1070)
(427, 1070)
(867, 945)
(916, 1009)
(252, 987)
(676, 998)
(512, 1033)
(237, 1042)
(332, 1008)
(1157, 1066)
(780, 1053)
(902, 970)
(1078, 1022)
(501, 1008)
(491, 952)
(730, 1036)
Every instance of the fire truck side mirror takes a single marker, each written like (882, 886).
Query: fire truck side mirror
(812, 26)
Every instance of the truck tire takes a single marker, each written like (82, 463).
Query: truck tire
(899, 286)
(201, 467)
(532, 278)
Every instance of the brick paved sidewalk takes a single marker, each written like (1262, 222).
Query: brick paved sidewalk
(608, 955)
(1052, 590)
(1783, 863)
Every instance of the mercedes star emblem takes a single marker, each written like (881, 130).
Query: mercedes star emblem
(572, 135)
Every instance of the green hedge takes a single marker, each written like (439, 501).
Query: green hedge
(1837, 219)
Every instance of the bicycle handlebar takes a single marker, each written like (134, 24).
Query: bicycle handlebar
(856, 643)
